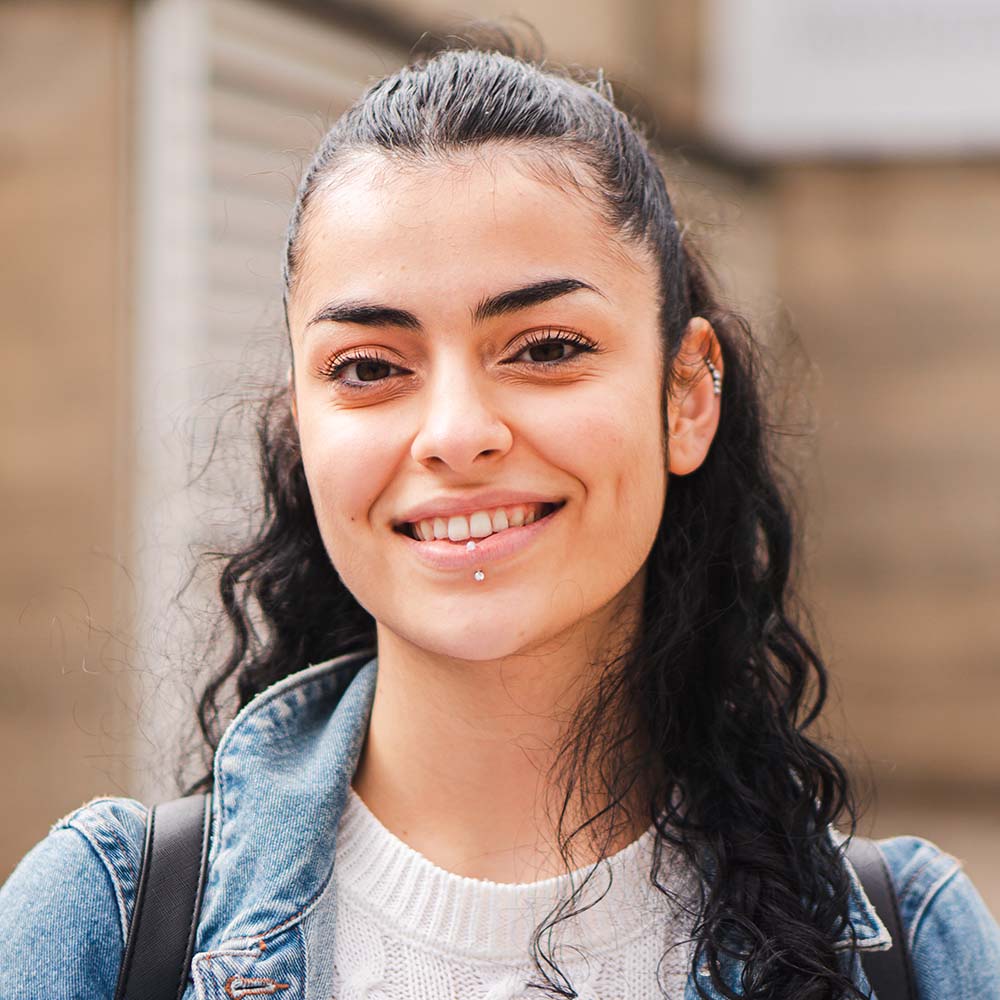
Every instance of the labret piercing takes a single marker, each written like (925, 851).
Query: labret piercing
(479, 575)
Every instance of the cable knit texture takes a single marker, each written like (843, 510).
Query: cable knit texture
(408, 930)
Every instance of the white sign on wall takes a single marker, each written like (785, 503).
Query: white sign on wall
(868, 77)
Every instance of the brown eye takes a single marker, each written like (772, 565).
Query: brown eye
(371, 371)
(358, 371)
(550, 348)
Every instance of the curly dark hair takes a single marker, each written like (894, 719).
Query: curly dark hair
(707, 712)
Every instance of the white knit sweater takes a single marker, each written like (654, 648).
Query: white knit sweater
(408, 930)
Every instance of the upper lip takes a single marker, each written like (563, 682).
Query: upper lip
(469, 503)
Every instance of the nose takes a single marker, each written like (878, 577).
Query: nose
(462, 426)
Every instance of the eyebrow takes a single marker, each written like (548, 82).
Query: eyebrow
(528, 295)
(364, 313)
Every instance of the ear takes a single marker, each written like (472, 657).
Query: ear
(693, 408)
(291, 396)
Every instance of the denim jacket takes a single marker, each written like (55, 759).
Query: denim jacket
(281, 776)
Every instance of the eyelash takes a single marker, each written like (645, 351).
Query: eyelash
(332, 368)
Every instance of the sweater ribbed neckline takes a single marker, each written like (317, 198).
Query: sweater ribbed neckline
(402, 890)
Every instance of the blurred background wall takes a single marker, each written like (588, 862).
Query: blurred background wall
(838, 161)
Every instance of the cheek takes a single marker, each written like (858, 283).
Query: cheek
(347, 465)
(617, 449)
(614, 448)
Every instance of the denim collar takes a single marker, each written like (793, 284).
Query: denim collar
(281, 778)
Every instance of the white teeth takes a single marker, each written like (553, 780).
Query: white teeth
(458, 528)
(478, 525)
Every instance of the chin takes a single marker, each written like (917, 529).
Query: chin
(476, 637)
(477, 642)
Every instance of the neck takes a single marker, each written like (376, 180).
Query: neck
(459, 758)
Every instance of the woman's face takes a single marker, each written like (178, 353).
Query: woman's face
(473, 348)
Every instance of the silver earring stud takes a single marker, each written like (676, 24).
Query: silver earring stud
(716, 377)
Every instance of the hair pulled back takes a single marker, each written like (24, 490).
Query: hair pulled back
(720, 686)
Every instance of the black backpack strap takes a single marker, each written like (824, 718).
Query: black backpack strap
(161, 936)
(889, 972)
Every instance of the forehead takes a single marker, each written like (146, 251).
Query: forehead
(444, 232)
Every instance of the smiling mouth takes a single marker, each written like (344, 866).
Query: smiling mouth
(478, 525)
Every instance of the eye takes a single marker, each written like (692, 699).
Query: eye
(368, 369)
(552, 347)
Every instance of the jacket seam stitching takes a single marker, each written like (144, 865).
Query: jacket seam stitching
(916, 874)
(878, 938)
(921, 912)
(305, 957)
(109, 869)
(91, 807)
(132, 873)
(204, 958)
(294, 918)
(221, 776)
(318, 678)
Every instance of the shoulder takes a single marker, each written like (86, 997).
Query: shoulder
(65, 909)
(115, 831)
(953, 938)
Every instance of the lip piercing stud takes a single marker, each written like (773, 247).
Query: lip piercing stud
(470, 546)
(479, 575)
(716, 377)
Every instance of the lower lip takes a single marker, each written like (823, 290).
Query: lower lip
(443, 554)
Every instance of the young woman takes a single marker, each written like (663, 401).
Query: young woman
(525, 710)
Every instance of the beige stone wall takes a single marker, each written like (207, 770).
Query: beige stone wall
(890, 275)
(588, 32)
(64, 349)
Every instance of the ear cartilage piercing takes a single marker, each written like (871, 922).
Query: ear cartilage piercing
(479, 575)
(470, 546)
(716, 377)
